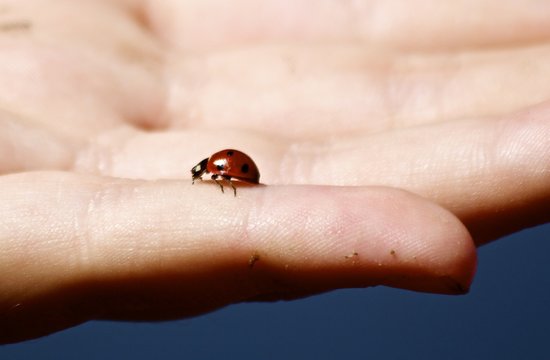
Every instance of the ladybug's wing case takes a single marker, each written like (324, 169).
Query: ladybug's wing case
(251, 176)
(234, 164)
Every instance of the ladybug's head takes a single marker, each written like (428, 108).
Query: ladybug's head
(198, 170)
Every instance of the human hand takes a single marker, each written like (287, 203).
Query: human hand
(114, 102)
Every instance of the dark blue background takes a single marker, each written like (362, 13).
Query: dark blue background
(505, 316)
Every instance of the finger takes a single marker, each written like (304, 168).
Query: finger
(199, 26)
(308, 92)
(78, 247)
(472, 167)
(493, 174)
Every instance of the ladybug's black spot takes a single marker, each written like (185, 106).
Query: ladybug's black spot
(220, 167)
(230, 153)
(244, 168)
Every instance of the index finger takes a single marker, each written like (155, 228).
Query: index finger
(77, 247)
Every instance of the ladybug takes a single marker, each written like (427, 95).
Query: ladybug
(228, 164)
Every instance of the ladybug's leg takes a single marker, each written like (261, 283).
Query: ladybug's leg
(215, 178)
(228, 178)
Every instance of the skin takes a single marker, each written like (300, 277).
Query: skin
(390, 145)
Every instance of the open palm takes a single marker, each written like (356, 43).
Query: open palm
(389, 134)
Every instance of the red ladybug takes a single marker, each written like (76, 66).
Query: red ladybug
(228, 164)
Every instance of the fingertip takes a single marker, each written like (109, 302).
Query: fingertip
(446, 255)
(355, 237)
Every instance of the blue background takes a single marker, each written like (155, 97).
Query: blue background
(505, 316)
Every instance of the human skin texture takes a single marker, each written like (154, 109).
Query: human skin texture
(389, 147)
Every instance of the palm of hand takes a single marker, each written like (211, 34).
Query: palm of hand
(131, 97)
